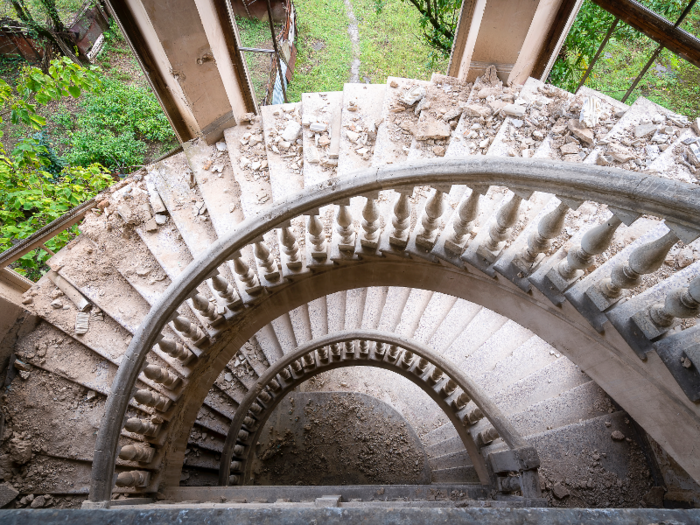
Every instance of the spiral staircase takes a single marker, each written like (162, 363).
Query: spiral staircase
(513, 270)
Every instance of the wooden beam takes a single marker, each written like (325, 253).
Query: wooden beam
(555, 32)
(655, 27)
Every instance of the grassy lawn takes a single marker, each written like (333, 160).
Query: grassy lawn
(670, 82)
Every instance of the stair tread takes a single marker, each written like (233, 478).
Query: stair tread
(413, 311)
(301, 324)
(453, 324)
(336, 311)
(393, 142)
(318, 315)
(256, 191)
(285, 333)
(482, 326)
(176, 186)
(354, 308)
(321, 161)
(443, 94)
(439, 306)
(368, 100)
(455, 475)
(374, 305)
(495, 349)
(448, 446)
(455, 459)
(395, 301)
(269, 344)
(435, 436)
(286, 172)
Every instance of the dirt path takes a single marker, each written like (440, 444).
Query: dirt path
(354, 32)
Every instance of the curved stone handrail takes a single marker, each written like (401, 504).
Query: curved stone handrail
(448, 371)
(676, 202)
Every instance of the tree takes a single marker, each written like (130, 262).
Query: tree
(31, 195)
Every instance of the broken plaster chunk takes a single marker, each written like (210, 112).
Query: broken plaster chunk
(221, 146)
(560, 491)
(255, 140)
(244, 162)
(292, 131)
(151, 226)
(161, 219)
(644, 130)
(56, 304)
(477, 110)
(82, 320)
(318, 127)
(324, 141)
(569, 148)
(617, 436)
(394, 84)
(696, 126)
(433, 129)
(352, 135)
(412, 96)
(620, 153)
(514, 110)
(581, 132)
(312, 154)
(590, 112)
(694, 154)
(439, 151)
(452, 114)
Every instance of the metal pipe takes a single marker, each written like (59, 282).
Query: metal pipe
(597, 55)
(256, 50)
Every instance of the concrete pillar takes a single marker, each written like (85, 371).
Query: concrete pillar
(189, 51)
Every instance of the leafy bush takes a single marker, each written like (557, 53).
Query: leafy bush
(113, 127)
(33, 192)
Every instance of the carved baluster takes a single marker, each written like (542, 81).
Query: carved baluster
(435, 376)
(393, 353)
(290, 248)
(226, 291)
(401, 221)
(317, 239)
(285, 374)
(473, 417)
(139, 426)
(188, 329)
(422, 365)
(364, 349)
(346, 232)
(370, 225)
(644, 260)
(505, 219)
(349, 349)
(205, 308)
(407, 359)
(593, 243)
(460, 401)
(463, 223)
(139, 452)
(264, 397)
(249, 422)
(133, 479)
(487, 436)
(275, 386)
(308, 361)
(236, 466)
(266, 262)
(682, 303)
(175, 350)
(430, 221)
(233, 479)
(323, 354)
(152, 399)
(448, 388)
(255, 408)
(247, 276)
(539, 241)
(297, 367)
(243, 436)
(336, 350)
(380, 350)
(238, 451)
(162, 376)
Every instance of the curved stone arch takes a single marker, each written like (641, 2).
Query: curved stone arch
(436, 376)
(619, 188)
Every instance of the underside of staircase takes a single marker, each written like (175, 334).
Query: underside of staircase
(367, 420)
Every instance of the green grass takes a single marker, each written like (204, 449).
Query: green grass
(391, 42)
(324, 52)
(256, 33)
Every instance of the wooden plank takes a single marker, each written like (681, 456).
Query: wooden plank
(555, 32)
(655, 27)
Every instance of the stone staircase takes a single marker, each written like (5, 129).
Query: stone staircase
(148, 230)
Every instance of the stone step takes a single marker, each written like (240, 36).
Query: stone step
(269, 344)
(453, 324)
(301, 324)
(439, 434)
(416, 304)
(448, 446)
(360, 119)
(455, 475)
(494, 350)
(321, 123)
(375, 303)
(482, 326)
(393, 308)
(449, 461)
(284, 330)
(335, 307)
(438, 307)
(282, 124)
(318, 317)
(354, 308)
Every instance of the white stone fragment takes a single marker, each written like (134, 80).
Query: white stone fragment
(352, 136)
(161, 219)
(318, 127)
(291, 132)
(244, 162)
(590, 112)
(221, 146)
(514, 110)
(413, 95)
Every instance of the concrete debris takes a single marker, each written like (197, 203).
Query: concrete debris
(439, 151)
(292, 131)
(689, 140)
(352, 135)
(477, 110)
(590, 112)
(394, 84)
(228, 377)
(82, 320)
(685, 257)
(571, 147)
(248, 117)
(313, 155)
(617, 436)
(151, 226)
(695, 126)
(318, 127)
(412, 96)
(22, 366)
(221, 146)
(452, 114)
(56, 304)
(514, 110)
(694, 154)
(580, 132)
(324, 141)
(161, 219)
(91, 394)
(620, 153)
(658, 118)
(244, 162)
(7, 494)
(433, 129)
(560, 491)
(652, 151)
(660, 138)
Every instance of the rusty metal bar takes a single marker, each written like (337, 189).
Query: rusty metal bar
(597, 55)
(277, 52)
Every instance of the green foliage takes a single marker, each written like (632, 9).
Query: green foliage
(113, 127)
(32, 190)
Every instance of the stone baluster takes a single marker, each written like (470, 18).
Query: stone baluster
(380, 350)
(238, 451)
(505, 219)
(345, 229)
(297, 367)
(266, 262)
(435, 376)
(247, 276)
(364, 348)
(407, 359)
(349, 349)
(249, 422)
(644, 260)
(370, 225)
(308, 361)
(255, 408)
(430, 221)
(139, 426)
(401, 221)
(162, 376)
(205, 308)
(460, 401)
(682, 303)
(463, 223)
(233, 479)
(226, 291)
(152, 399)
(236, 466)
(176, 350)
(317, 239)
(487, 436)
(264, 397)
(448, 388)
(593, 243)
(422, 365)
(290, 248)
(188, 329)
(393, 353)
(473, 417)
(509, 484)
(540, 240)
(243, 436)
(336, 350)
(139, 452)
(133, 479)
(285, 374)
(323, 354)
